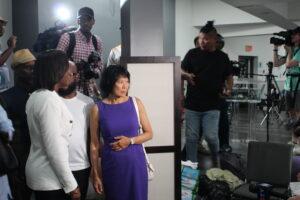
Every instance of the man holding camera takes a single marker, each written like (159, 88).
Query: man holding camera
(85, 49)
(292, 82)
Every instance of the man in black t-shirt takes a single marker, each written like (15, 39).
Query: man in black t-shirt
(205, 70)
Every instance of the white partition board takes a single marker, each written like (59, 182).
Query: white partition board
(153, 83)
(162, 186)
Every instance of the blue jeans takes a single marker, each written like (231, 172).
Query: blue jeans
(209, 122)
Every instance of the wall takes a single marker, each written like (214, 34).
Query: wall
(107, 15)
(235, 46)
(169, 27)
(146, 28)
(25, 22)
(185, 32)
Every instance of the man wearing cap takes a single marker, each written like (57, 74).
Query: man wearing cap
(85, 43)
(14, 100)
(11, 43)
(292, 82)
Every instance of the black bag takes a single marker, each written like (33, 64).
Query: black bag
(212, 190)
(8, 159)
(50, 37)
(234, 163)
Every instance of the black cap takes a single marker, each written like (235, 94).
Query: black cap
(296, 30)
(85, 11)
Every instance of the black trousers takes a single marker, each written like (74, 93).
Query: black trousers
(17, 179)
(224, 124)
(82, 178)
(51, 195)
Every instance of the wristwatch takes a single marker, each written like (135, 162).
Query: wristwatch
(131, 140)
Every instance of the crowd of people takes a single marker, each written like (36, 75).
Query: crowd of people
(65, 129)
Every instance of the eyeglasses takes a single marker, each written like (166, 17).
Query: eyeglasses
(75, 74)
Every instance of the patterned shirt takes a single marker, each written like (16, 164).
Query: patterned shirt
(82, 50)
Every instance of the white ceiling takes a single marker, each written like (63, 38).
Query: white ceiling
(281, 13)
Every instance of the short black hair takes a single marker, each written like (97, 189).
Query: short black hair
(208, 28)
(220, 41)
(196, 40)
(49, 69)
(109, 77)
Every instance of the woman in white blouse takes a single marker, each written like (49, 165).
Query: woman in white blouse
(47, 169)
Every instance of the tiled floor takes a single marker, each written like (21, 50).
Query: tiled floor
(245, 126)
(241, 132)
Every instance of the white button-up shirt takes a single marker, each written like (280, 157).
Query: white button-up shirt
(50, 125)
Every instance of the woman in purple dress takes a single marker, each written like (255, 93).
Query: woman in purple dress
(123, 165)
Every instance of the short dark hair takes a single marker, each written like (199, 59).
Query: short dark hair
(220, 41)
(208, 28)
(196, 40)
(109, 77)
(49, 69)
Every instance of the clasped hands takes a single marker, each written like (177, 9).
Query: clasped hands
(121, 143)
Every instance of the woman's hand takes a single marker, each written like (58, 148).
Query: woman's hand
(75, 194)
(97, 184)
(121, 143)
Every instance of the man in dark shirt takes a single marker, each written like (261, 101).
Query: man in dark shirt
(205, 70)
(13, 101)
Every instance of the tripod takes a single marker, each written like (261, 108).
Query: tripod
(270, 98)
(270, 77)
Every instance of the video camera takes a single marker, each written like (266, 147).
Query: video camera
(282, 37)
(87, 67)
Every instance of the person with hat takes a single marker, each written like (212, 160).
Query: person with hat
(14, 100)
(11, 43)
(292, 82)
(79, 45)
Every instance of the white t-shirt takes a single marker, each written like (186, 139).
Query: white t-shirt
(114, 56)
(80, 107)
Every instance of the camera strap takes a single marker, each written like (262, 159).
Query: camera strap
(72, 43)
(296, 51)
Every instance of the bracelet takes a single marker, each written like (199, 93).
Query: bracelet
(131, 140)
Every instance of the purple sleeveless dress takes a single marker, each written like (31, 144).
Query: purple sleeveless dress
(124, 172)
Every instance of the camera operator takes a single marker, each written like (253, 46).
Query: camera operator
(86, 52)
(291, 86)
